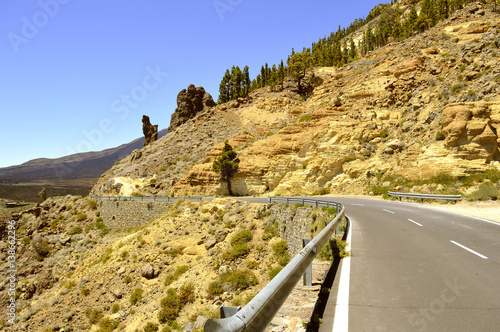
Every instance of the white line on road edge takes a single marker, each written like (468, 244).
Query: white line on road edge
(388, 211)
(341, 319)
(469, 250)
(416, 223)
(357, 204)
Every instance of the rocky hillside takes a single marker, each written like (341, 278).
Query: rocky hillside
(414, 109)
(75, 274)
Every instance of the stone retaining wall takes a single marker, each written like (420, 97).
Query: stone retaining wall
(295, 224)
(119, 215)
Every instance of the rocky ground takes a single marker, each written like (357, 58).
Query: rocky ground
(74, 274)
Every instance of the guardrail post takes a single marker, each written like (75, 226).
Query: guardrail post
(307, 278)
(287, 201)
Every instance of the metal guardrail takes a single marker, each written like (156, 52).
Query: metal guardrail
(259, 312)
(145, 198)
(305, 201)
(425, 196)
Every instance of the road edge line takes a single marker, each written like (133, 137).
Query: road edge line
(341, 318)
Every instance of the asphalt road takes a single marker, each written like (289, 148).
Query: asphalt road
(415, 268)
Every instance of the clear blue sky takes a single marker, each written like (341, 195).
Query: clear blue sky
(78, 75)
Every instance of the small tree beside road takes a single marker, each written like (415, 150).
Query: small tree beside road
(226, 165)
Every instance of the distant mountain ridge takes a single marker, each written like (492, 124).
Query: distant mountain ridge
(88, 165)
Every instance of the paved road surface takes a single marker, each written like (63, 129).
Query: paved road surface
(414, 268)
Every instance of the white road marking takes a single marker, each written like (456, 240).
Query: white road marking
(485, 220)
(416, 223)
(341, 319)
(469, 250)
(388, 211)
(357, 204)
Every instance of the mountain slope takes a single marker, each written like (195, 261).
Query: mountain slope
(78, 166)
(414, 109)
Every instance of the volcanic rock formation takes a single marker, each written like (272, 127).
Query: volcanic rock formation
(189, 103)
(150, 131)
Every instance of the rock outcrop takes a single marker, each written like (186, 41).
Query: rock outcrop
(150, 131)
(189, 103)
(471, 130)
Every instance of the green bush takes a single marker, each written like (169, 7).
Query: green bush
(237, 251)
(251, 264)
(280, 250)
(270, 232)
(136, 296)
(81, 217)
(186, 293)
(94, 315)
(171, 306)
(341, 245)
(307, 117)
(485, 193)
(214, 289)
(107, 325)
(75, 230)
(326, 252)
(100, 225)
(115, 308)
(242, 237)
(175, 251)
(150, 327)
(85, 291)
(240, 279)
(330, 210)
(379, 190)
(444, 179)
(172, 300)
(456, 88)
(92, 204)
(171, 277)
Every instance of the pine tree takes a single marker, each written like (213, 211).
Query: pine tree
(236, 81)
(226, 165)
(246, 81)
(281, 73)
(259, 81)
(263, 76)
(412, 20)
(345, 53)
(298, 65)
(224, 89)
(352, 50)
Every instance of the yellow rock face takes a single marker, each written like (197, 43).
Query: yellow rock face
(471, 130)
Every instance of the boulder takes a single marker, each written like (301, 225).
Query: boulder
(148, 272)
